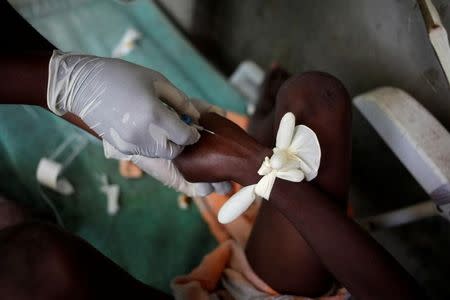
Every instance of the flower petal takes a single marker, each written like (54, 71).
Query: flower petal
(265, 167)
(265, 184)
(237, 204)
(312, 175)
(292, 163)
(293, 175)
(279, 159)
(285, 131)
(304, 167)
(306, 146)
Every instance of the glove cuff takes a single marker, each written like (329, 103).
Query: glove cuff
(64, 70)
(55, 87)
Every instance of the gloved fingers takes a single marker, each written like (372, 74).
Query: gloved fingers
(201, 189)
(222, 188)
(169, 150)
(175, 98)
(111, 152)
(165, 171)
(204, 107)
(175, 129)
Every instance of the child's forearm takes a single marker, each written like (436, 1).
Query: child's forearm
(349, 253)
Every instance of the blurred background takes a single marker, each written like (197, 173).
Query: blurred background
(198, 44)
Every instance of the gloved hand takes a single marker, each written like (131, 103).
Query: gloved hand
(165, 171)
(125, 104)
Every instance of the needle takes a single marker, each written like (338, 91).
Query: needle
(201, 128)
(188, 120)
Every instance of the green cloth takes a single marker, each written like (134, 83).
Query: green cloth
(150, 237)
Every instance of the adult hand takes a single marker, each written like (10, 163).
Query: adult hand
(167, 173)
(132, 108)
(165, 170)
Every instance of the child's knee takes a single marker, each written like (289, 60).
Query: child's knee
(313, 92)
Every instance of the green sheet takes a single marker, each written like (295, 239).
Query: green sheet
(150, 237)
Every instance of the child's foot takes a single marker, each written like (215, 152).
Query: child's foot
(261, 123)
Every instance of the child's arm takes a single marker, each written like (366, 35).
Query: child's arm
(349, 253)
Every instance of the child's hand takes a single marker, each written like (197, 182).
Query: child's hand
(229, 154)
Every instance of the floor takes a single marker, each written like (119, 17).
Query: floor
(366, 44)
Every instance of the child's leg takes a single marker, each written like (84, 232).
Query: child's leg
(11, 213)
(275, 250)
(262, 122)
(41, 261)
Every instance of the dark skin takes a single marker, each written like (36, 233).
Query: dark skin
(24, 63)
(88, 274)
(317, 100)
(306, 216)
(41, 261)
(302, 238)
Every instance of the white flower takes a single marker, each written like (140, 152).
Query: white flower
(306, 149)
(295, 157)
(297, 143)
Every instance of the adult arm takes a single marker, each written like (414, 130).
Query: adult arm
(105, 93)
(24, 58)
(131, 108)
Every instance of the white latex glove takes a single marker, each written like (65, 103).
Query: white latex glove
(125, 104)
(165, 171)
